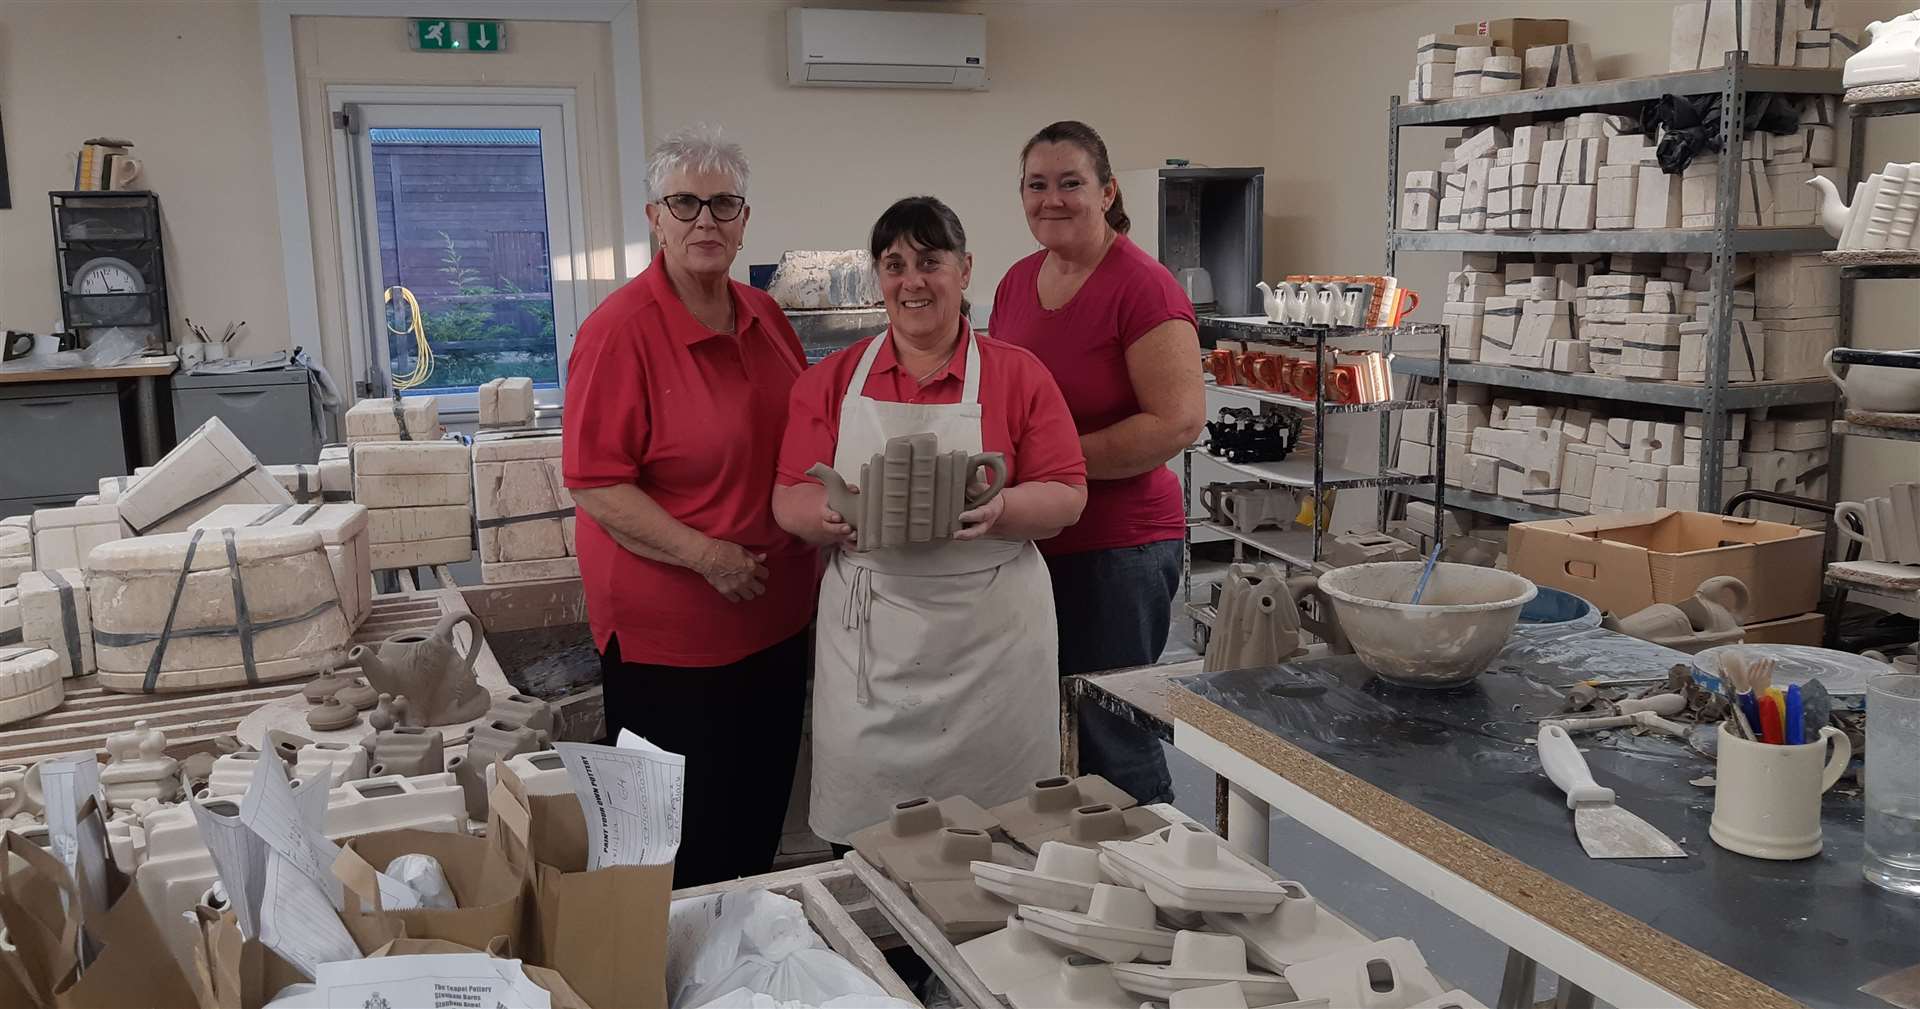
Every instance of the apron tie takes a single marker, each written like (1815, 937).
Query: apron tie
(853, 617)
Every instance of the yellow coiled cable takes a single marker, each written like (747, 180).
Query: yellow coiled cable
(423, 360)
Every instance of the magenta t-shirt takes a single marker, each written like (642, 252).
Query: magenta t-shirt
(1084, 344)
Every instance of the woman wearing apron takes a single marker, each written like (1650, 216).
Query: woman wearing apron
(935, 664)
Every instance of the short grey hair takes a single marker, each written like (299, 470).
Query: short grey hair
(696, 148)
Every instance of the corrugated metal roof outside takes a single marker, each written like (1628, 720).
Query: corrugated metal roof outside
(456, 138)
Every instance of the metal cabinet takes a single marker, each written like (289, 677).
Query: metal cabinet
(57, 439)
(270, 411)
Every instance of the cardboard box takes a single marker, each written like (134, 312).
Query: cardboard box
(604, 930)
(490, 890)
(1625, 563)
(1518, 34)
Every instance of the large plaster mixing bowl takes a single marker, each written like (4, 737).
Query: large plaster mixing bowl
(1459, 626)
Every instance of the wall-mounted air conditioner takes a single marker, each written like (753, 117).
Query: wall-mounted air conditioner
(886, 49)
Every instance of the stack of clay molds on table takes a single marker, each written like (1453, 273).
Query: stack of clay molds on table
(1089, 932)
(214, 608)
(1794, 33)
(412, 418)
(209, 469)
(522, 508)
(419, 500)
(343, 531)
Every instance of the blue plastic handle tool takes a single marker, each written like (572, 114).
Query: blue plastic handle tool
(1796, 712)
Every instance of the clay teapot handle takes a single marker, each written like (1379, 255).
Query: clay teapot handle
(446, 625)
(1328, 629)
(996, 464)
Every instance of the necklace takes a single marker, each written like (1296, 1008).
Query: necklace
(922, 379)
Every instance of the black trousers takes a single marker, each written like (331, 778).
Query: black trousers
(1115, 611)
(738, 725)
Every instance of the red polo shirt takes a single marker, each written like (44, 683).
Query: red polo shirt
(1021, 411)
(694, 418)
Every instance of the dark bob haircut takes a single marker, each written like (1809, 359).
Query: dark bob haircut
(924, 221)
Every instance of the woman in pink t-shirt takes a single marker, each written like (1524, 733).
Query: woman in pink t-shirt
(1117, 332)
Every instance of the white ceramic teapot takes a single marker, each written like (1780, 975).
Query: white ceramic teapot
(1269, 302)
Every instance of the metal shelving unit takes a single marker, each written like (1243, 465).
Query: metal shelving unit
(1692, 396)
(1301, 547)
(1733, 83)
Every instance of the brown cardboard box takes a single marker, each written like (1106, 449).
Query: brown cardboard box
(605, 930)
(1805, 629)
(238, 973)
(489, 890)
(1519, 34)
(1626, 562)
(132, 968)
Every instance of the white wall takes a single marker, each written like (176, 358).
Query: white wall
(183, 81)
(1157, 80)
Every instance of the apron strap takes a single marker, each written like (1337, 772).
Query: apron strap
(858, 386)
(853, 617)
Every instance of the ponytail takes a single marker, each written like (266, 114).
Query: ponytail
(1079, 134)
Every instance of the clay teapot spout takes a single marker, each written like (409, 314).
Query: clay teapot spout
(840, 497)
(1833, 212)
(370, 664)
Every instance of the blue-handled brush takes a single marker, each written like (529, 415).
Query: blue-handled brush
(1426, 573)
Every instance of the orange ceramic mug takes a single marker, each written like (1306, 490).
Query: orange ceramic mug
(1221, 364)
(1403, 304)
(1266, 371)
(1306, 376)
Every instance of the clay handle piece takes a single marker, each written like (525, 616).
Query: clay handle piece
(996, 464)
(444, 629)
(840, 497)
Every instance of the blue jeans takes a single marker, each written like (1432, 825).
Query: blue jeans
(1115, 609)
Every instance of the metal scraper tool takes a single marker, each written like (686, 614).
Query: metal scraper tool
(1605, 830)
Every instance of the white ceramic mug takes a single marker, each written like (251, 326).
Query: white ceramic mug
(1766, 800)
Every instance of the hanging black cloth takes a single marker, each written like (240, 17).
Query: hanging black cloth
(1687, 126)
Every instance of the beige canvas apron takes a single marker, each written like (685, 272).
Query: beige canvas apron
(937, 666)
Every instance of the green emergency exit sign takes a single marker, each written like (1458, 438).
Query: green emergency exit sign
(446, 35)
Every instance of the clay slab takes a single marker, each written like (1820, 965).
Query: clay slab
(1010, 956)
(1296, 931)
(1202, 960)
(961, 910)
(1188, 870)
(1049, 804)
(1343, 978)
(1079, 983)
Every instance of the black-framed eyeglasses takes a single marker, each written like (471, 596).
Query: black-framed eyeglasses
(686, 206)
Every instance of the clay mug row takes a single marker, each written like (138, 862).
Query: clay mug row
(1284, 373)
(1247, 508)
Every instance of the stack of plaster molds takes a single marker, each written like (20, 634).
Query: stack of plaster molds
(214, 608)
(30, 683)
(522, 508)
(929, 849)
(65, 537)
(506, 403)
(343, 531)
(209, 469)
(419, 499)
(16, 549)
(414, 418)
(56, 613)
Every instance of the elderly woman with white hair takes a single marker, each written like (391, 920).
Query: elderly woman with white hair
(676, 403)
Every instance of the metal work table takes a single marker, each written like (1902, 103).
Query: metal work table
(143, 372)
(1443, 791)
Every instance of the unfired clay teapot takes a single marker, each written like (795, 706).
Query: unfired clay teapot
(436, 678)
(911, 492)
